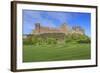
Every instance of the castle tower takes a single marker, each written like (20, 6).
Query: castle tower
(64, 28)
(37, 27)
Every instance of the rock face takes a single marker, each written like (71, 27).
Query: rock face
(62, 29)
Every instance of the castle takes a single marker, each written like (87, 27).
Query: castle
(62, 29)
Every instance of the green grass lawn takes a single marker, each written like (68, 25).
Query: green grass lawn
(70, 51)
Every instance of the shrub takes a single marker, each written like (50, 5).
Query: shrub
(40, 41)
(34, 40)
(27, 41)
(85, 40)
(51, 41)
(77, 38)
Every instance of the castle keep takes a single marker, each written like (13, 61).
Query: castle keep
(62, 29)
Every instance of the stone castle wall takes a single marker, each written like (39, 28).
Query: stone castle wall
(62, 29)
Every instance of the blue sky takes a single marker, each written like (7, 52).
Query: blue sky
(55, 19)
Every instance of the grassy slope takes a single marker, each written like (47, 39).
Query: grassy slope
(69, 51)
